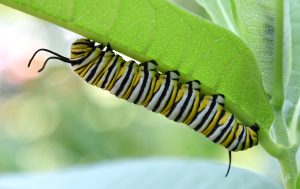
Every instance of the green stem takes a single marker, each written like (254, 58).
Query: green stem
(283, 150)
(277, 86)
(289, 169)
(268, 144)
(280, 129)
(295, 125)
(286, 157)
(287, 153)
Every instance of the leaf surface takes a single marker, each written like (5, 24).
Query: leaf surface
(254, 21)
(160, 30)
(292, 101)
(221, 13)
(144, 174)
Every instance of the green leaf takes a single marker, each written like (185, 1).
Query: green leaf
(257, 23)
(292, 103)
(159, 30)
(144, 174)
(193, 7)
(254, 21)
(221, 13)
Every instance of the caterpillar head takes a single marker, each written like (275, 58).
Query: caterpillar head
(81, 47)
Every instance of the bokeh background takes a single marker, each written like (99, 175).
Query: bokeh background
(53, 120)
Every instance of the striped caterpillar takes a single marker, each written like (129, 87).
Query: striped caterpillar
(163, 93)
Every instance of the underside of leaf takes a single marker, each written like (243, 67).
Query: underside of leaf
(178, 40)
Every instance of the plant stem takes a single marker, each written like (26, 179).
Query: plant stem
(273, 148)
(289, 168)
(286, 157)
(277, 86)
(280, 129)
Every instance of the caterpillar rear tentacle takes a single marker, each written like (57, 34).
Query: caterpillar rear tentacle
(159, 92)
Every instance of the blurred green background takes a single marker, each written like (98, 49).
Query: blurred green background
(52, 120)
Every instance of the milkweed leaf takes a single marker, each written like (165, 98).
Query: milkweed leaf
(144, 174)
(292, 102)
(160, 30)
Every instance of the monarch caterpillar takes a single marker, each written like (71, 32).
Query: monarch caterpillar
(163, 93)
